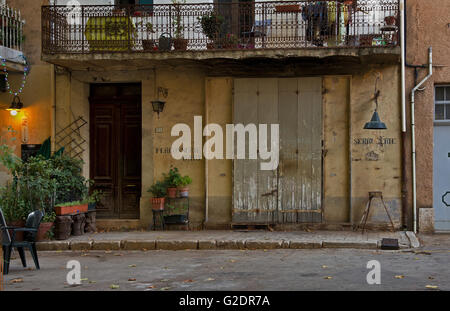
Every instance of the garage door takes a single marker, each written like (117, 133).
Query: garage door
(293, 192)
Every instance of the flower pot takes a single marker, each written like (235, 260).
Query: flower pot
(63, 227)
(19, 224)
(390, 20)
(210, 46)
(158, 204)
(184, 192)
(180, 44)
(42, 231)
(289, 8)
(148, 45)
(172, 192)
(66, 210)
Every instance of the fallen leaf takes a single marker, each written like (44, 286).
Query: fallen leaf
(108, 252)
(92, 282)
(188, 281)
(399, 276)
(324, 267)
(144, 249)
(18, 280)
(221, 268)
(431, 278)
(265, 250)
(209, 279)
(86, 279)
(431, 287)
(84, 255)
(118, 254)
(232, 260)
(151, 286)
(131, 280)
(165, 288)
(113, 286)
(132, 266)
(165, 280)
(328, 277)
(29, 269)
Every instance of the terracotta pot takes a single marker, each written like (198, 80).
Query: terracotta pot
(184, 192)
(289, 8)
(19, 224)
(63, 227)
(42, 231)
(65, 210)
(172, 192)
(180, 44)
(158, 204)
(210, 46)
(148, 45)
(390, 20)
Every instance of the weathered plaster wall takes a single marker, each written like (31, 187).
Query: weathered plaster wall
(427, 25)
(336, 102)
(375, 155)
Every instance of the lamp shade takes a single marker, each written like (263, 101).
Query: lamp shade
(375, 123)
(16, 105)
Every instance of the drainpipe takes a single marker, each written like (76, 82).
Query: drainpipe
(403, 104)
(413, 134)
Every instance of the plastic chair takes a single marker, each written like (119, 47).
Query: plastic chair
(29, 241)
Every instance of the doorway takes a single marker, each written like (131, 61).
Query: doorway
(293, 192)
(441, 159)
(115, 148)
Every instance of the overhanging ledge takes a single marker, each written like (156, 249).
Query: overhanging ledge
(384, 55)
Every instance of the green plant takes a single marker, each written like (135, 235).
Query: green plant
(211, 24)
(45, 150)
(183, 181)
(49, 217)
(230, 41)
(95, 197)
(73, 203)
(177, 23)
(158, 189)
(172, 178)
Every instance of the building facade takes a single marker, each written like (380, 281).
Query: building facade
(317, 70)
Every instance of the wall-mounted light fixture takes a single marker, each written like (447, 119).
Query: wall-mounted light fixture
(15, 107)
(158, 105)
(375, 123)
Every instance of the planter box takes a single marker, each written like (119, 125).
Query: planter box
(67, 210)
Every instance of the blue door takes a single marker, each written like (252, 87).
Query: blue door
(441, 159)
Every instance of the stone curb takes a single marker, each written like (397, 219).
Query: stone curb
(134, 245)
(350, 244)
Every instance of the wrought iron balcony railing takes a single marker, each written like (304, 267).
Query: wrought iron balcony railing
(11, 32)
(219, 26)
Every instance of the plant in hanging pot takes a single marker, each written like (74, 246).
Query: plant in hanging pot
(182, 184)
(158, 191)
(171, 181)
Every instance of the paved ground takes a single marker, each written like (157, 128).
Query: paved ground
(283, 269)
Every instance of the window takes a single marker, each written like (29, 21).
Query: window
(442, 103)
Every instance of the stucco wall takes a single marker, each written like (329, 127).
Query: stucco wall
(192, 93)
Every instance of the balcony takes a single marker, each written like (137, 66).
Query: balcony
(12, 38)
(221, 30)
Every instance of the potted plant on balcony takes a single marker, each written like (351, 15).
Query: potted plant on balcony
(182, 184)
(171, 180)
(179, 42)
(211, 25)
(148, 44)
(158, 191)
(230, 41)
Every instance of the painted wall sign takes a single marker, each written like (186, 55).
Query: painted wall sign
(381, 140)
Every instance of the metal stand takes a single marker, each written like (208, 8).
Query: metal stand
(159, 214)
(373, 195)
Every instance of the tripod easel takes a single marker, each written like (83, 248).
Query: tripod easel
(372, 196)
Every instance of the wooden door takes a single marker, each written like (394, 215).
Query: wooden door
(293, 192)
(115, 148)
